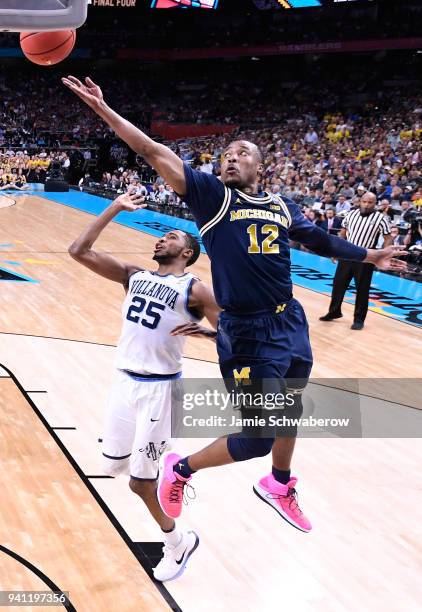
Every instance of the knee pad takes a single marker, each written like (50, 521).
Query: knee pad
(242, 449)
(115, 467)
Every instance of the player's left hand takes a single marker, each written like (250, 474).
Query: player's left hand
(385, 259)
(193, 329)
(130, 201)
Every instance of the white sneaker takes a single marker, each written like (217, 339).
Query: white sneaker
(175, 558)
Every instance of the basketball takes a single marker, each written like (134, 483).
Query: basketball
(47, 48)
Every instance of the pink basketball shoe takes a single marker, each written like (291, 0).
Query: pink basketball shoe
(170, 486)
(283, 498)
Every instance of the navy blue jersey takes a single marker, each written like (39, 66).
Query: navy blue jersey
(246, 238)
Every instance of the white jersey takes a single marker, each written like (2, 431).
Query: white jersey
(153, 306)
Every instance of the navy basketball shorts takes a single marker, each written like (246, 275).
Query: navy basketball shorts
(263, 355)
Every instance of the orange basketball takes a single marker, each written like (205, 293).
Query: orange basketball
(47, 48)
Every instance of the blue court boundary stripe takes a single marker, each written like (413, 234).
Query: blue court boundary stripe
(135, 548)
(401, 289)
(22, 276)
(142, 220)
(155, 224)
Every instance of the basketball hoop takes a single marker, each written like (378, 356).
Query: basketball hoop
(41, 15)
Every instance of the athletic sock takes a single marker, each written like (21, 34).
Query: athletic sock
(282, 476)
(173, 536)
(183, 468)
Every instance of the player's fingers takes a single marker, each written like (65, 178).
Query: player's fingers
(398, 264)
(69, 84)
(76, 91)
(80, 93)
(179, 332)
(74, 80)
(181, 329)
(399, 248)
(402, 266)
(178, 327)
(90, 82)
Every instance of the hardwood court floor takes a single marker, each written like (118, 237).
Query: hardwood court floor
(362, 496)
(50, 518)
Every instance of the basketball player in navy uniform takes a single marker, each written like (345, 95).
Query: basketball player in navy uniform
(262, 331)
(149, 360)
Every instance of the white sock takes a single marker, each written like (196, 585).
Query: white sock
(172, 537)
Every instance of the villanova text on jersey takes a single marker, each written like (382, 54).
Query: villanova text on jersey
(164, 293)
(247, 240)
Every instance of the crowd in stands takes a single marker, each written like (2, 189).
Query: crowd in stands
(325, 138)
(18, 168)
(250, 93)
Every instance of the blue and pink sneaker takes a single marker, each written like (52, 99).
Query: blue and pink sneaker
(170, 486)
(283, 498)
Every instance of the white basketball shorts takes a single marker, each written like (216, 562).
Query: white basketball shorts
(137, 426)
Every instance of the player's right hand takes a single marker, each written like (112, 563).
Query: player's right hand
(193, 329)
(130, 202)
(89, 92)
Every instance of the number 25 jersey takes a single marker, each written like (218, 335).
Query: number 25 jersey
(154, 305)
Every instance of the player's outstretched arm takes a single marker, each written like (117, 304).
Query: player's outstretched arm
(321, 243)
(103, 264)
(160, 157)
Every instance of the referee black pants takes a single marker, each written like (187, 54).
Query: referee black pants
(362, 273)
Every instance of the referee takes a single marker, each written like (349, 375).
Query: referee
(362, 227)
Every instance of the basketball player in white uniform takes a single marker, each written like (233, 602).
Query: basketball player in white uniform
(149, 359)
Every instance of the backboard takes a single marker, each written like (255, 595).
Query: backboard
(41, 15)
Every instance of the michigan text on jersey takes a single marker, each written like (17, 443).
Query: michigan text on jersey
(250, 213)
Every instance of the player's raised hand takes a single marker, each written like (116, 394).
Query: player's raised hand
(130, 201)
(89, 92)
(385, 259)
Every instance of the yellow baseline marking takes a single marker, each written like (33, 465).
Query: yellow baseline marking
(42, 262)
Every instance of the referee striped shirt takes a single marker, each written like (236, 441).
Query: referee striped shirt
(364, 231)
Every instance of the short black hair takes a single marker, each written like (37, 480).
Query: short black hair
(192, 243)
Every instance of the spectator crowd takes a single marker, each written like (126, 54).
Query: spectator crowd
(18, 168)
(325, 139)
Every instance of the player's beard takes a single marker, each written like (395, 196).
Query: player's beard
(166, 258)
(236, 182)
(233, 182)
(163, 258)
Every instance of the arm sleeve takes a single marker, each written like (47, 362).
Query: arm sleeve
(385, 227)
(345, 222)
(318, 241)
(205, 195)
